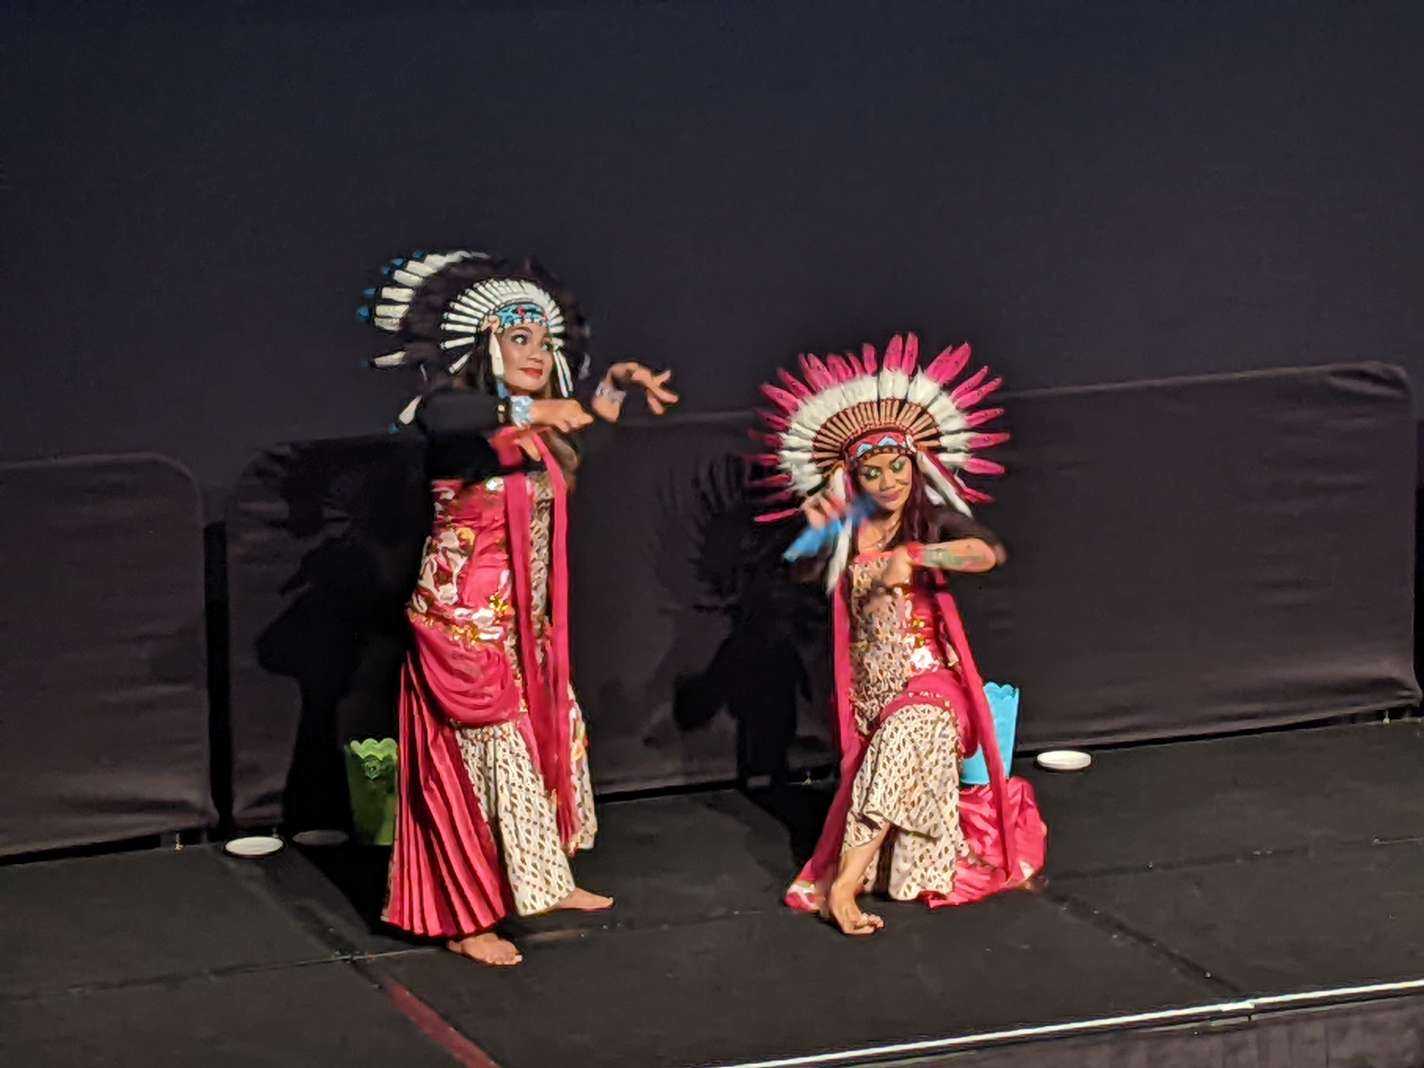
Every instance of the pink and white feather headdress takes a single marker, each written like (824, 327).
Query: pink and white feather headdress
(845, 407)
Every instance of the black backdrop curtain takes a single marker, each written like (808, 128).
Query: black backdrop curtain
(1208, 554)
(103, 682)
(1187, 556)
(1092, 191)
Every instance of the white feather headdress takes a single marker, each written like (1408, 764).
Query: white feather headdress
(454, 307)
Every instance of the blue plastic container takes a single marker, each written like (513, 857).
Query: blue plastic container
(1004, 704)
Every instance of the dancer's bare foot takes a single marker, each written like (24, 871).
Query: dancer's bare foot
(841, 909)
(487, 948)
(584, 901)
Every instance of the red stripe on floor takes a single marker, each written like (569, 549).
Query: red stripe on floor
(435, 1027)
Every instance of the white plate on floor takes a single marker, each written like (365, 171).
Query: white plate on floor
(255, 845)
(1064, 760)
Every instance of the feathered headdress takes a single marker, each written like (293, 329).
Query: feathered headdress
(844, 408)
(441, 303)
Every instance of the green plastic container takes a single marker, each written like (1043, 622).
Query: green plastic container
(371, 781)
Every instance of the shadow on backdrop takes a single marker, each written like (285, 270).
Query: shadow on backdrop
(342, 634)
(758, 674)
(769, 674)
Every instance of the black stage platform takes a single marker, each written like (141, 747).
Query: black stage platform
(1245, 901)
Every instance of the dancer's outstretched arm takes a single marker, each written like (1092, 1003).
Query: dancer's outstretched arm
(453, 412)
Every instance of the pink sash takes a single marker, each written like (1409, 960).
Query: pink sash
(547, 686)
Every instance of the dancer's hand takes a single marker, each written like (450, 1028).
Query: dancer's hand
(510, 443)
(563, 415)
(822, 508)
(654, 384)
(897, 571)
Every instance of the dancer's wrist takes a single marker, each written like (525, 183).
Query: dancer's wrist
(517, 411)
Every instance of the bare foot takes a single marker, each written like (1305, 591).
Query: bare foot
(584, 901)
(487, 948)
(841, 909)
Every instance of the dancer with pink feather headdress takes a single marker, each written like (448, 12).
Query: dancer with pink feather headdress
(877, 450)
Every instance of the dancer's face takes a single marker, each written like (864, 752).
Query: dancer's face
(528, 358)
(887, 478)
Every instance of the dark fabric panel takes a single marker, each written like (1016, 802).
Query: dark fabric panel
(1419, 548)
(696, 659)
(324, 541)
(1186, 557)
(102, 672)
(1204, 554)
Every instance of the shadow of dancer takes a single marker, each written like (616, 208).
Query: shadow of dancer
(342, 634)
(758, 672)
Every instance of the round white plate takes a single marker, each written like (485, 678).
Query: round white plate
(321, 837)
(256, 845)
(1064, 760)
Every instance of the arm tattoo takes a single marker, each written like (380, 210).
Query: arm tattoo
(964, 555)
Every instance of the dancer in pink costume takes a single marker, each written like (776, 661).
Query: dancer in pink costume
(494, 794)
(876, 449)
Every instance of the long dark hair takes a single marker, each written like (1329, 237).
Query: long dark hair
(920, 520)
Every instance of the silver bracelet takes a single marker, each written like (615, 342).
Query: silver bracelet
(521, 410)
(607, 389)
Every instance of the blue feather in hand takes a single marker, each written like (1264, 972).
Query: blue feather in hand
(814, 540)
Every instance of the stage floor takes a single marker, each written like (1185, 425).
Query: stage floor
(1224, 880)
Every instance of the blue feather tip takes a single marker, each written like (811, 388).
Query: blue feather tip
(813, 541)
